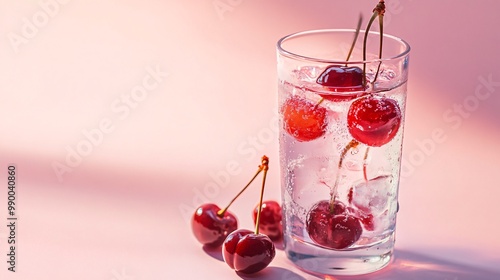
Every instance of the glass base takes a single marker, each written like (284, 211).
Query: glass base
(319, 261)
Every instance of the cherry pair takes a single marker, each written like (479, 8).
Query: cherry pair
(372, 119)
(243, 250)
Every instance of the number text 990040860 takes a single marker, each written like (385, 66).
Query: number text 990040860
(11, 218)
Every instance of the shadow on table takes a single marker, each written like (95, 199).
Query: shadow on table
(414, 266)
(273, 273)
(213, 252)
(406, 266)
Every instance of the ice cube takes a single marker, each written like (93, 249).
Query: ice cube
(386, 74)
(310, 180)
(353, 165)
(297, 226)
(307, 73)
(372, 196)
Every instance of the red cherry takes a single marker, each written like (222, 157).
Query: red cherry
(374, 120)
(270, 219)
(209, 228)
(337, 230)
(338, 78)
(247, 252)
(304, 120)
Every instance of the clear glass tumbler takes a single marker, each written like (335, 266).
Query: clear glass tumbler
(341, 135)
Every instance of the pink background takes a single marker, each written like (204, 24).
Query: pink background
(121, 211)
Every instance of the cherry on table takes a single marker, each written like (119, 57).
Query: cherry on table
(337, 229)
(304, 120)
(210, 228)
(374, 120)
(247, 252)
(270, 219)
(211, 224)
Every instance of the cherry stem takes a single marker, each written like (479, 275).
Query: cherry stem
(381, 27)
(319, 102)
(365, 39)
(378, 11)
(221, 212)
(358, 27)
(365, 164)
(350, 145)
(264, 166)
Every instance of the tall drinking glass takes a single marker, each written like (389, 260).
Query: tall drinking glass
(341, 134)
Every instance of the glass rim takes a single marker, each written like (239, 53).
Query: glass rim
(293, 55)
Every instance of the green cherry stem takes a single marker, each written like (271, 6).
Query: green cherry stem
(365, 39)
(319, 102)
(379, 10)
(381, 27)
(352, 144)
(358, 27)
(365, 164)
(264, 167)
(221, 212)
